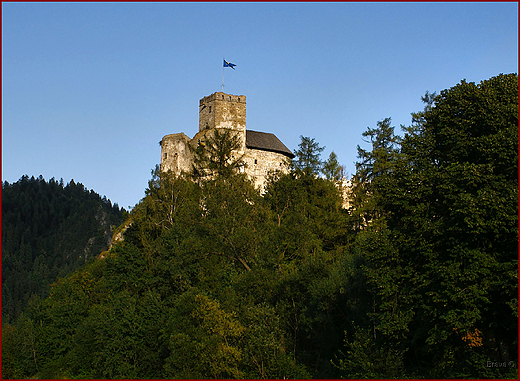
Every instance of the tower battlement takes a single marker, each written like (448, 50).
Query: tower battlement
(223, 97)
(221, 110)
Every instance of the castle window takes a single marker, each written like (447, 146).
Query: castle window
(239, 99)
(165, 155)
(230, 97)
(210, 109)
(222, 97)
(256, 161)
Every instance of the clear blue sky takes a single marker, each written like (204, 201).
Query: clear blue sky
(89, 89)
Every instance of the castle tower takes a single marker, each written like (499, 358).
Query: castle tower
(262, 152)
(220, 110)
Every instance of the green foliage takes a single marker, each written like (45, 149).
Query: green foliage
(308, 207)
(207, 282)
(307, 157)
(373, 183)
(19, 348)
(366, 359)
(332, 170)
(203, 340)
(48, 231)
(439, 231)
(212, 280)
(215, 155)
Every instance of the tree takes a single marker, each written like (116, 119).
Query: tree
(307, 159)
(217, 155)
(379, 160)
(464, 160)
(373, 180)
(365, 358)
(232, 219)
(332, 169)
(307, 242)
(203, 340)
(442, 249)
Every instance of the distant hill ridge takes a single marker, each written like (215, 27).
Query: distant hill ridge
(49, 230)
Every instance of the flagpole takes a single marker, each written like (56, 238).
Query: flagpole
(223, 75)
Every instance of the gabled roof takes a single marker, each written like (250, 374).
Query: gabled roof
(267, 142)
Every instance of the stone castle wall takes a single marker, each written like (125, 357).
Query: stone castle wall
(259, 163)
(177, 157)
(220, 111)
(175, 153)
(225, 111)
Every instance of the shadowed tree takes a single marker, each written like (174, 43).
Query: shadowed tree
(442, 244)
(217, 155)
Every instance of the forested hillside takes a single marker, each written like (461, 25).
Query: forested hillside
(48, 231)
(419, 279)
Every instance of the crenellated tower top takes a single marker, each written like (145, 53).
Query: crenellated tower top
(221, 110)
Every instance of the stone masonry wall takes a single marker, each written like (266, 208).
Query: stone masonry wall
(259, 163)
(175, 153)
(220, 110)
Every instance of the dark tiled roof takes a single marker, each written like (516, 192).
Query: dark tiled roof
(266, 142)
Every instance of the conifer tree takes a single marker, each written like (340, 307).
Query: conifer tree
(307, 157)
(332, 169)
(372, 182)
(217, 155)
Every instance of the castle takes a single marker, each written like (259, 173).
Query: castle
(263, 152)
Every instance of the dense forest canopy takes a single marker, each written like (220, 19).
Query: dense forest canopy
(49, 230)
(418, 279)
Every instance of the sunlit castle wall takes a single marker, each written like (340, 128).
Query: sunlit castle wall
(260, 163)
(175, 153)
(220, 110)
(263, 152)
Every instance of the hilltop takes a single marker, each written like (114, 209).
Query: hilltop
(48, 231)
(417, 278)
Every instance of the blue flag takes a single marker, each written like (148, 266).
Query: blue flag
(229, 64)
